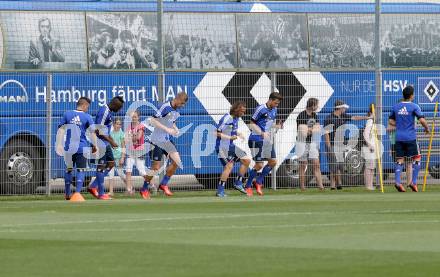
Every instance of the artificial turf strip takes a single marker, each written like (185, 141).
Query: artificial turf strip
(312, 234)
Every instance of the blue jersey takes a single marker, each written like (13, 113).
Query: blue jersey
(104, 117)
(76, 139)
(264, 118)
(167, 116)
(228, 125)
(404, 114)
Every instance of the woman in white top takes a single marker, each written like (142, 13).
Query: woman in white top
(368, 152)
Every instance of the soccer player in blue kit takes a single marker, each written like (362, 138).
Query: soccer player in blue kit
(72, 131)
(106, 162)
(403, 117)
(164, 122)
(261, 142)
(228, 152)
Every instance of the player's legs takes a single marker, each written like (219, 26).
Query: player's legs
(236, 154)
(256, 155)
(140, 165)
(414, 153)
(227, 169)
(253, 174)
(80, 163)
(400, 149)
(105, 164)
(68, 176)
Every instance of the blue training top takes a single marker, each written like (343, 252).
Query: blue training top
(228, 125)
(104, 117)
(167, 116)
(404, 114)
(77, 124)
(264, 118)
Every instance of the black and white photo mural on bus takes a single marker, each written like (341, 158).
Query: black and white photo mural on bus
(44, 40)
(122, 41)
(272, 41)
(340, 41)
(200, 41)
(410, 40)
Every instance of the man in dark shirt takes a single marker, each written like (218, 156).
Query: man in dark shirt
(334, 133)
(307, 144)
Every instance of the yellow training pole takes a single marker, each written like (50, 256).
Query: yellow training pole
(377, 150)
(430, 146)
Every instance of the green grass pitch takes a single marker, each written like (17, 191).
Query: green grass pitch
(284, 233)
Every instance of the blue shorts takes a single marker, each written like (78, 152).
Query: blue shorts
(108, 156)
(407, 149)
(260, 153)
(76, 160)
(158, 151)
(233, 155)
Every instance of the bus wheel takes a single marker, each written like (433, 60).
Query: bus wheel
(434, 171)
(353, 169)
(21, 167)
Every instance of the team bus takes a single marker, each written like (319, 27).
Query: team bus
(54, 52)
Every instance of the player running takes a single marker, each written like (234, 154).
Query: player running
(227, 152)
(106, 162)
(164, 127)
(403, 117)
(73, 127)
(261, 142)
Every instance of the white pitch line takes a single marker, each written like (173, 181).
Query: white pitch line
(207, 217)
(223, 227)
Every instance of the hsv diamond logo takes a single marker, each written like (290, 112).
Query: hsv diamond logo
(218, 90)
(428, 90)
(431, 90)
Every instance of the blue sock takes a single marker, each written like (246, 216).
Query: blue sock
(252, 174)
(221, 187)
(264, 173)
(67, 182)
(100, 180)
(80, 175)
(165, 180)
(239, 180)
(145, 186)
(415, 171)
(398, 169)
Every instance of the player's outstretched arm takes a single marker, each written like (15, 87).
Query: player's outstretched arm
(157, 124)
(107, 138)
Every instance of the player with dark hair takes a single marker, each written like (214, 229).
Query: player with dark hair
(228, 153)
(307, 145)
(73, 127)
(106, 162)
(261, 142)
(164, 122)
(403, 117)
